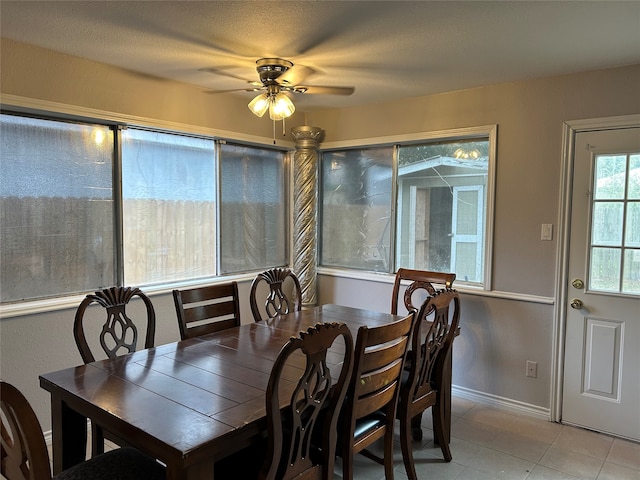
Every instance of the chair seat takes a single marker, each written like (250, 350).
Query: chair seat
(120, 464)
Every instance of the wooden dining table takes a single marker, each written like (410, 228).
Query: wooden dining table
(186, 403)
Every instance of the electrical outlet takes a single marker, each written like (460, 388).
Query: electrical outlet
(532, 369)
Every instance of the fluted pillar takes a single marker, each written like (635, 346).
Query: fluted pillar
(305, 208)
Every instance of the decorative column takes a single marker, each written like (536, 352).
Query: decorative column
(305, 200)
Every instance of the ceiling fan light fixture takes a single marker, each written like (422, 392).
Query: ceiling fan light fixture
(260, 104)
(281, 107)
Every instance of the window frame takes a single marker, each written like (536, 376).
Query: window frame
(489, 132)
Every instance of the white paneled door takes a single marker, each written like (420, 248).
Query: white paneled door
(601, 387)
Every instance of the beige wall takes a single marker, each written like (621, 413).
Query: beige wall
(498, 332)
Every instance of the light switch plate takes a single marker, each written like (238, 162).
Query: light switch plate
(546, 232)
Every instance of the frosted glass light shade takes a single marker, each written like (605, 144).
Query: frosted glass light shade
(281, 107)
(260, 104)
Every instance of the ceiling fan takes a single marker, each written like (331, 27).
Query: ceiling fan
(278, 78)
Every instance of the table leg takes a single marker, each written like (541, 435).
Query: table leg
(69, 436)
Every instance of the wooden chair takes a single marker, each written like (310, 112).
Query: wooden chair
(432, 334)
(422, 285)
(369, 411)
(277, 302)
(25, 455)
(207, 309)
(301, 437)
(119, 335)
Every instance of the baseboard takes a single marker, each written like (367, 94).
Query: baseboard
(501, 403)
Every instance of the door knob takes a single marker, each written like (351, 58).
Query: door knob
(576, 303)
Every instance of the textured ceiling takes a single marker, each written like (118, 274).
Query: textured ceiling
(386, 50)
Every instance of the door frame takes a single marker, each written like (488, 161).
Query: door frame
(569, 131)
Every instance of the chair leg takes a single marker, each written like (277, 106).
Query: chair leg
(347, 463)
(407, 448)
(416, 427)
(441, 429)
(97, 440)
(388, 452)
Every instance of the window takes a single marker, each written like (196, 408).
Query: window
(253, 219)
(442, 214)
(56, 206)
(168, 207)
(172, 207)
(442, 189)
(356, 208)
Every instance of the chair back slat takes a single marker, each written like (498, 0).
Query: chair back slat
(209, 309)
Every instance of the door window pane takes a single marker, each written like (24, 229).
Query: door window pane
(632, 232)
(634, 177)
(605, 269)
(610, 177)
(56, 207)
(441, 207)
(631, 277)
(356, 208)
(253, 223)
(168, 195)
(607, 223)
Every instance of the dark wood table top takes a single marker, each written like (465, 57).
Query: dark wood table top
(185, 403)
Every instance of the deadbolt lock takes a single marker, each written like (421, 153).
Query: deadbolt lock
(576, 303)
(577, 283)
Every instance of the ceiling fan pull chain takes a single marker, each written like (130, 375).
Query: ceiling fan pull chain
(274, 132)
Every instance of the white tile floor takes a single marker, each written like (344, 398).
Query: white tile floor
(491, 444)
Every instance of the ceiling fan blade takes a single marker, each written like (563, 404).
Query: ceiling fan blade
(221, 71)
(296, 75)
(215, 92)
(319, 90)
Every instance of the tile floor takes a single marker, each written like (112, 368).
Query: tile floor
(492, 444)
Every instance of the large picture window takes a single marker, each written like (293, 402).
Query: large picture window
(85, 206)
(437, 218)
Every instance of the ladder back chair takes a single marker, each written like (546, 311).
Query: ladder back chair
(207, 309)
(302, 415)
(369, 411)
(118, 336)
(284, 294)
(433, 332)
(422, 286)
(25, 456)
